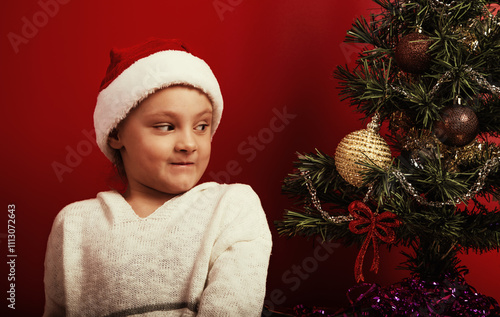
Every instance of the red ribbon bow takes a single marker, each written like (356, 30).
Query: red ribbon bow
(365, 221)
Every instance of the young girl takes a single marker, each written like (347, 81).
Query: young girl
(167, 246)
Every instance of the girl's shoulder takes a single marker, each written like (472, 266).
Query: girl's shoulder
(234, 188)
(88, 208)
(231, 198)
(236, 191)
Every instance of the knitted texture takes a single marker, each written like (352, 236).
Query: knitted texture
(203, 253)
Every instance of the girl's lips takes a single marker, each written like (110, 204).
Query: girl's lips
(182, 163)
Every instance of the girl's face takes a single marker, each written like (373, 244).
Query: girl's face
(165, 142)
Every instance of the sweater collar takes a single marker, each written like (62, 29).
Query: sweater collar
(119, 210)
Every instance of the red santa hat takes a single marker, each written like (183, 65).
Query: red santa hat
(135, 73)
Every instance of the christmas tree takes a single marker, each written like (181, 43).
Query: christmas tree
(425, 173)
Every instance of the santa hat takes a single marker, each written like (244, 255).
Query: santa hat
(135, 73)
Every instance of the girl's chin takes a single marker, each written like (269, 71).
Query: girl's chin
(179, 188)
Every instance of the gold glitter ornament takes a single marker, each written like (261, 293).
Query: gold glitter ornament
(399, 122)
(361, 146)
(475, 151)
(468, 39)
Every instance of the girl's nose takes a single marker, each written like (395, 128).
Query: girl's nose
(185, 142)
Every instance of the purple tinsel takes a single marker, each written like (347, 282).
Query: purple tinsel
(414, 297)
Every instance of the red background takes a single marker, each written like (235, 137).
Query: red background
(269, 57)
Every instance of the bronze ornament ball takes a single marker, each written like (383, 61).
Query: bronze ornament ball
(412, 54)
(458, 126)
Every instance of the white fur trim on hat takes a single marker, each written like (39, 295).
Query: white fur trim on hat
(144, 77)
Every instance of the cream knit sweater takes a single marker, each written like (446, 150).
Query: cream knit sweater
(203, 253)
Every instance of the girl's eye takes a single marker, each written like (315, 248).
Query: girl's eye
(202, 127)
(164, 127)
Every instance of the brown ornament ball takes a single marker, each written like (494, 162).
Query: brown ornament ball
(458, 126)
(412, 54)
(362, 146)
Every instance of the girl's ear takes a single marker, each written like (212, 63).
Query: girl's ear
(114, 140)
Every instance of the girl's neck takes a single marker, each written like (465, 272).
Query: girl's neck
(145, 203)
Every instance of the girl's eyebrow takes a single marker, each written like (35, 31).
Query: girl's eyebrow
(207, 111)
(172, 114)
(161, 114)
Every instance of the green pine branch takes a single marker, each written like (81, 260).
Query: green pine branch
(464, 36)
(311, 224)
